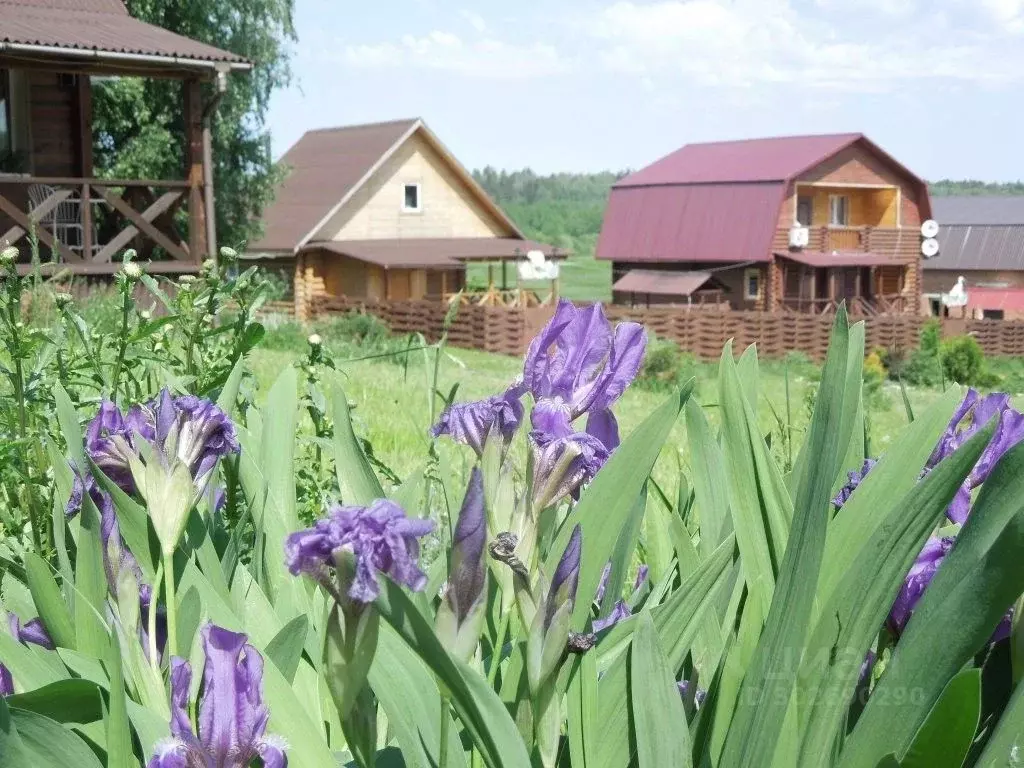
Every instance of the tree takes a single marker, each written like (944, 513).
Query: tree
(139, 123)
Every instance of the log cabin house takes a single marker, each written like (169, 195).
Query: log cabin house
(790, 224)
(981, 239)
(385, 212)
(50, 53)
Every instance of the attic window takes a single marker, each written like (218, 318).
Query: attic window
(411, 198)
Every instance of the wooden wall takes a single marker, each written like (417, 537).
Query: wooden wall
(449, 207)
(54, 117)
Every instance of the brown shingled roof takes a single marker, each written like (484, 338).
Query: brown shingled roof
(100, 26)
(322, 168)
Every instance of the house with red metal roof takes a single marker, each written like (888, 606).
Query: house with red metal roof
(787, 224)
(385, 212)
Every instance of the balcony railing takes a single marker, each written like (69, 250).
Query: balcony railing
(82, 223)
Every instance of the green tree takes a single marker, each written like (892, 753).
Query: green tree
(139, 123)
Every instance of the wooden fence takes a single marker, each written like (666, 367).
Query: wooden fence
(509, 330)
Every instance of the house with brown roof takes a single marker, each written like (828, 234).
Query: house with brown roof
(384, 212)
(981, 247)
(50, 52)
(788, 224)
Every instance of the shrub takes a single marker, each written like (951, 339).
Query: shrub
(962, 360)
(661, 364)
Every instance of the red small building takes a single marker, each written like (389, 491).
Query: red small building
(796, 223)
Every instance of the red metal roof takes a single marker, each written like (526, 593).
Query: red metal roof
(773, 159)
(837, 258)
(661, 283)
(1006, 299)
(691, 223)
(434, 253)
(103, 26)
(716, 202)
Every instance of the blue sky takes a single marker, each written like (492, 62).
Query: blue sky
(586, 85)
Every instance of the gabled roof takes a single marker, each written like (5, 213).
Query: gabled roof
(326, 167)
(979, 210)
(96, 28)
(778, 159)
(750, 160)
(683, 206)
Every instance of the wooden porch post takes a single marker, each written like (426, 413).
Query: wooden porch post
(197, 245)
(85, 166)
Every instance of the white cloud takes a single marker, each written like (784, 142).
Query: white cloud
(446, 51)
(1008, 14)
(475, 20)
(747, 43)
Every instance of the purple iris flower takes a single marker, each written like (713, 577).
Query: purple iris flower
(566, 578)
(380, 536)
(621, 608)
(855, 479)
(111, 442)
(684, 688)
(618, 613)
(579, 362)
(563, 460)
(188, 428)
(971, 415)
(471, 423)
(468, 568)
(917, 580)
(31, 632)
(232, 714)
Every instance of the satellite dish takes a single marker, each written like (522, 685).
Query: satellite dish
(537, 267)
(929, 247)
(929, 228)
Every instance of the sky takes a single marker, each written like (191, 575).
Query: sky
(588, 85)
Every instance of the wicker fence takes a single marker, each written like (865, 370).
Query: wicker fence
(509, 331)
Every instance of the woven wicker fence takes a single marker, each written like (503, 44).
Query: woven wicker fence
(509, 331)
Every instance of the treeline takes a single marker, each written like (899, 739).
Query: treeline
(565, 209)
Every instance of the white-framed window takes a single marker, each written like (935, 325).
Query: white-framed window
(411, 200)
(752, 284)
(838, 210)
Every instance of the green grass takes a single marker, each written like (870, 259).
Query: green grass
(582, 278)
(392, 408)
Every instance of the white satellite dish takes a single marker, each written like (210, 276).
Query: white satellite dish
(799, 237)
(929, 228)
(929, 247)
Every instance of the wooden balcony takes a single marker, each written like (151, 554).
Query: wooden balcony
(82, 223)
(901, 243)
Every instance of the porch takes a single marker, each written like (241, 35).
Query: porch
(818, 283)
(54, 205)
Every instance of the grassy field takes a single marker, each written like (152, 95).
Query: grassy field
(583, 278)
(392, 408)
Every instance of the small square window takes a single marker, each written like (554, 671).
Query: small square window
(752, 284)
(411, 198)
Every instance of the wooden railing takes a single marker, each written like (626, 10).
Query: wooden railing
(901, 243)
(844, 239)
(858, 306)
(83, 223)
(496, 297)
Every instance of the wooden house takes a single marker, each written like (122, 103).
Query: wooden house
(50, 51)
(790, 224)
(386, 212)
(981, 240)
